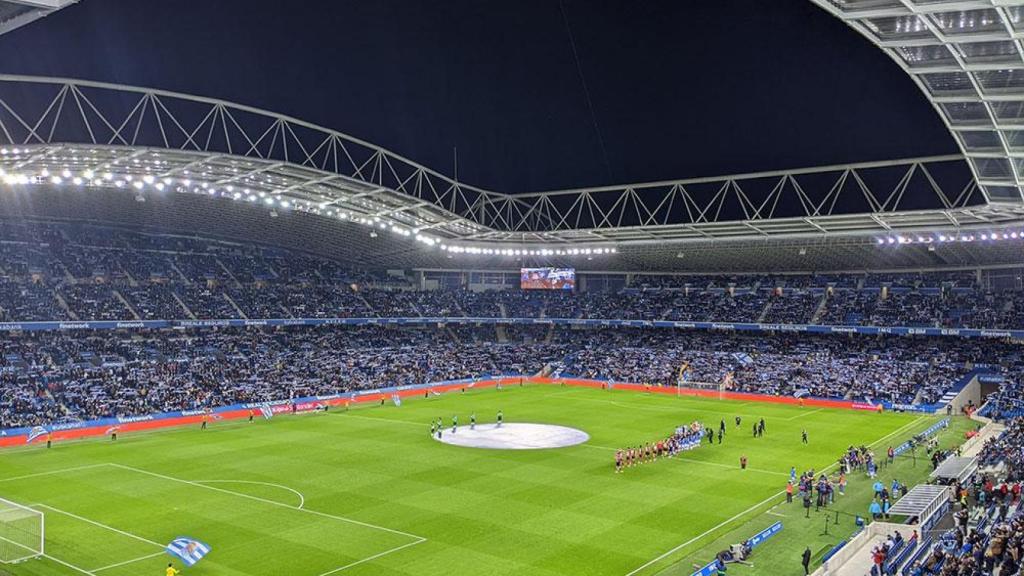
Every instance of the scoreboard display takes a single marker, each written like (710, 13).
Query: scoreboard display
(547, 278)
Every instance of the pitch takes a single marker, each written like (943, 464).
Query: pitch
(369, 492)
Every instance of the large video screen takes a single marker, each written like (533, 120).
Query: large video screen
(547, 278)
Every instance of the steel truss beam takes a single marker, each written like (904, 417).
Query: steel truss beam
(203, 145)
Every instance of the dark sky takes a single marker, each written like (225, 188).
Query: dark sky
(678, 88)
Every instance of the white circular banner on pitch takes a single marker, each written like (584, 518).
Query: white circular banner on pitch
(514, 436)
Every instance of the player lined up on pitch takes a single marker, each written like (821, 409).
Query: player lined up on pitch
(685, 438)
(437, 426)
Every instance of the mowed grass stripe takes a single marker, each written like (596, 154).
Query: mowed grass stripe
(540, 512)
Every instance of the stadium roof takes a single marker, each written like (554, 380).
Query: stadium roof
(17, 13)
(142, 142)
(967, 58)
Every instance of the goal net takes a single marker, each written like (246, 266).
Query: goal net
(717, 387)
(21, 532)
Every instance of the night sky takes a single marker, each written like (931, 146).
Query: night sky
(677, 88)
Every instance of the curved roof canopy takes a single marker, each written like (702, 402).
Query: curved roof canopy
(17, 13)
(91, 135)
(967, 58)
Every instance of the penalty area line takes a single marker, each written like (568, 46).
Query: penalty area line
(100, 525)
(267, 501)
(302, 499)
(132, 561)
(374, 557)
(68, 565)
(51, 472)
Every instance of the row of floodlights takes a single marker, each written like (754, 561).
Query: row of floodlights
(520, 252)
(273, 201)
(946, 238)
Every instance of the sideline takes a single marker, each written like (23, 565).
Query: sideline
(899, 430)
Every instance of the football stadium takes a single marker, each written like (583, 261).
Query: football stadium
(278, 295)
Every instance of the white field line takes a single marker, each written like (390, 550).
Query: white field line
(51, 472)
(101, 525)
(132, 561)
(302, 499)
(371, 418)
(132, 436)
(756, 506)
(266, 501)
(418, 539)
(374, 557)
(72, 566)
(799, 416)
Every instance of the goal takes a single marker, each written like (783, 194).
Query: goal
(719, 387)
(21, 532)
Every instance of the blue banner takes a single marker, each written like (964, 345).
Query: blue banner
(765, 534)
(932, 430)
(711, 568)
(729, 326)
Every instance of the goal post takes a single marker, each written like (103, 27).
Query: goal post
(719, 387)
(22, 532)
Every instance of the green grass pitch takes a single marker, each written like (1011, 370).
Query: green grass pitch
(367, 492)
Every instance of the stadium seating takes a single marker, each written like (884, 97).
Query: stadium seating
(61, 271)
(85, 374)
(51, 271)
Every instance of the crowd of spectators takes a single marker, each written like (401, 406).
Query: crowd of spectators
(988, 537)
(49, 376)
(76, 272)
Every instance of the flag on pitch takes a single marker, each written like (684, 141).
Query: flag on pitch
(112, 430)
(267, 412)
(36, 432)
(434, 392)
(396, 399)
(188, 550)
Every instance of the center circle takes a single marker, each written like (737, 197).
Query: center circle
(514, 436)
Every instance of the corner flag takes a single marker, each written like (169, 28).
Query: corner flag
(187, 550)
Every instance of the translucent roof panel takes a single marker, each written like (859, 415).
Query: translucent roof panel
(898, 27)
(948, 83)
(968, 58)
(969, 22)
(1014, 139)
(998, 52)
(1016, 16)
(866, 5)
(925, 56)
(992, 168)
(1006, 81)
(1009, 112)
(966, 113)
(981, 140)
